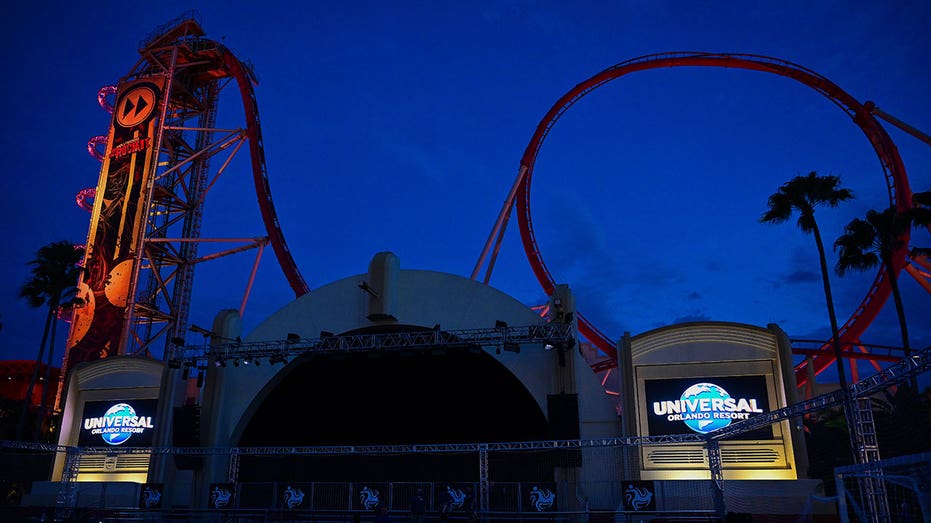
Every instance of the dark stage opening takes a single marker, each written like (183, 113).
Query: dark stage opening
(396, 398)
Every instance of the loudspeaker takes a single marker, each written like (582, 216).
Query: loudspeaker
(186, 433)
(563, 414)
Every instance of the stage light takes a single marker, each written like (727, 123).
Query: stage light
(174, 364)
(365, 287)
(186, 373)
(235, 363)
(436, 327)
(293, 338)
(200, 379)
(246, 361)
(326, 334)
(178, 341)
(258, 361)
(511, 346)
(548, 347)
(277, 358)
(501, 324)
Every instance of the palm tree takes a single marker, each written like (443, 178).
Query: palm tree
(804, 194)
(922, 199)
(53, 281)
(867, 243)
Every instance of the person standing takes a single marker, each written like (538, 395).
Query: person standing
(382, 515)
(418, 506)
(468, 504)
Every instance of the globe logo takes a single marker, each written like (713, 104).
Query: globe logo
(702, 420)
(117, 437)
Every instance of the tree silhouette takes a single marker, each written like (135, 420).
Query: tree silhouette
(803, 194)
(922, 199)
(53, 280)
(875, 240)
(922, 210)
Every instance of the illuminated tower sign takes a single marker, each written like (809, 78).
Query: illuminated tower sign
(117, 223)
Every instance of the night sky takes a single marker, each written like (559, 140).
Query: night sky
(399, 126)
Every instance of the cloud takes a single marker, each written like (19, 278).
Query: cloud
(695, 316)
(713, 265)
(802, 276)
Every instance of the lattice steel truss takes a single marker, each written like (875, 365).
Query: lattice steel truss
(896, 373)
(555, 336)
(191, 155)
(559, 333)
(867, 451)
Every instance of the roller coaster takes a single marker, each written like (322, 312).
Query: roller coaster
(862, 114)
(149, 302)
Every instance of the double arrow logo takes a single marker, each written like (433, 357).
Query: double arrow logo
(136, 106)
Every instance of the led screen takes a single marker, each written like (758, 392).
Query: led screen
(117, 423)
(703, 404)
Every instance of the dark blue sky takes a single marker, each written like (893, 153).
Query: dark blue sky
(399, 126)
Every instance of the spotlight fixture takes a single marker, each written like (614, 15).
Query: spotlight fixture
(501, 324)
(277, 358)
(246, 361)
(293, 338)
(258, 361)
(326, 334)
(511, 346)
(367, 289)
(548, 347)
(174, 364)
(200, 379)
(235, 363)
(186, 373)
(178, 341)
(436, 327)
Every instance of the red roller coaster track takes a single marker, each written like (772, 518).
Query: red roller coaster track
(260, 175)
(181, 180)
(893, 169)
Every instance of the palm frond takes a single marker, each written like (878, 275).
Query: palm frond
(922, 198)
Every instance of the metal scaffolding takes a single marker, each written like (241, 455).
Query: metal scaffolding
(552, 336)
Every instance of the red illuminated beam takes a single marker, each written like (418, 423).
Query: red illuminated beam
(260, 175)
